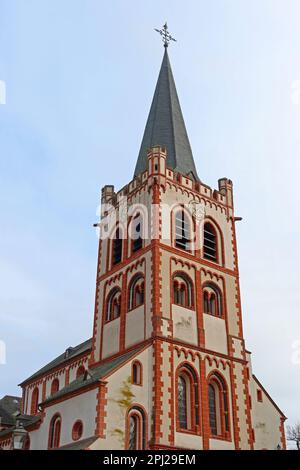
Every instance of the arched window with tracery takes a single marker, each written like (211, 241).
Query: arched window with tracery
(34, 401)
(182, 230)
(54, 386)
(136, 429)
(137, 232)
(182, 290)
(136, 292)
(137, 373)
(80, 371)
(54, 432)
(117, 247)
(210, 245)
(113, 304)
(212, 300)
(218, 406)
(187, 399)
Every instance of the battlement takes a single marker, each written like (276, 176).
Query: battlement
(159, 172)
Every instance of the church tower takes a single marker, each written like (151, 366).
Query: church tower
(167, 366)
(168, 285)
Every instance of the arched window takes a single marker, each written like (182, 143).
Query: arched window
(182, 290)
(137, 373)
(77, 430)
(187, 399)
(54, 386)
(136, 426)
(136, 292)
(218, 406)
(54, 432)
(117, 247)
(212, 300)
(34, 401)
(113, 304)
(80, 371)
(210, 251)
(137, 232)
(182, 230)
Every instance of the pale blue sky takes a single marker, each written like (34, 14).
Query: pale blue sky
(80, 76)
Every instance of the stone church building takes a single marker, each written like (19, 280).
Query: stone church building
(166, 366)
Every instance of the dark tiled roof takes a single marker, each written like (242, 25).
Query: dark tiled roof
(72, 352)
(94, 375)
(5, 432)
(27, 420)
(80, 445)
(9, 406)
(165, 127)
(11, 403)
(5, 417)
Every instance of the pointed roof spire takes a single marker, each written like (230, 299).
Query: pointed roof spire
(165, 126)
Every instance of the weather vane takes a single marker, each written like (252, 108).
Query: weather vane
(166, 36)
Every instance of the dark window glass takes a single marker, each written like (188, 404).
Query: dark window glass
(117, 248)
(182, 230)
(137, 242)
(182, 402)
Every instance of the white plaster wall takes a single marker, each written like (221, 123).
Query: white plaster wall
(266, 420)
(215, 333)
(135, 326)
(111, 337)
(79, 407)
(188, 441)
(142, 396)
(219, 444)
(184, 324)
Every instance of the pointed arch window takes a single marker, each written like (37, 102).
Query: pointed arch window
(113, 304)
(137, 232)
(212, 300)
(136, 426)
(182, 230)
(218, 406)
(187, 399)
(34, 401)
(54, 386)
(54, 432)
(183, 290)
(210, 251)
(117, 247)
(136, 292)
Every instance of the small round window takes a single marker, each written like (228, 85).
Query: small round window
(77, 431)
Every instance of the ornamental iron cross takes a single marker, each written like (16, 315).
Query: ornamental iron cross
(166, 36)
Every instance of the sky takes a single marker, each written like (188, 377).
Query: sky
(79, 78)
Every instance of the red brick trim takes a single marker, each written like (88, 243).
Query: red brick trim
(101, 412)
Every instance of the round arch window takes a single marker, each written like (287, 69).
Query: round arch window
(77, 431)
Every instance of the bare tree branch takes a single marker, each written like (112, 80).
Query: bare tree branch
(293, 434)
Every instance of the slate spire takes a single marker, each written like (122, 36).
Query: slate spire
(165, 126)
